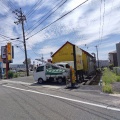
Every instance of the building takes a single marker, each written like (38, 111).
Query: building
(118, 53)
(113, 58)
(103, 63)
(66, 53)
(88, 62)
(1, 67)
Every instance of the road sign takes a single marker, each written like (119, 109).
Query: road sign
(3, 52)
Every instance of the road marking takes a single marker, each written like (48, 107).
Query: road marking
(17, 82)
(69, 99)
(25, 83)
(50, 86)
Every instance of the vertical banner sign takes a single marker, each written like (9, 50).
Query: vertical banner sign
(77, 53)
(9, 51)
(79, 64)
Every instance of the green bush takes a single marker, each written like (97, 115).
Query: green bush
(108, 77)
(117, 78)
(111, 66)
(10, 74)
(107, 88)
(15, 75)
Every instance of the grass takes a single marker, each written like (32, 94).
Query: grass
(107, 88)
(117, 78)
(108, 78)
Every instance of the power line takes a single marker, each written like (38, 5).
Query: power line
(45, 15)
(33, 50)
(57, 19)
(4, 6)
(103, 23)
(34, 6)
(22, 49)
(12, 5)
(48, 16)
(9, 37)
(100, 21)
(9, 4)
(26, 25)
(42, 17)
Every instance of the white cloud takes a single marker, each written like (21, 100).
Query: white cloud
(80, 27)
(4, 9)
(25, 2)
(47, 49)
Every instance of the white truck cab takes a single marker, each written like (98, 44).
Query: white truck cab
(50, 72)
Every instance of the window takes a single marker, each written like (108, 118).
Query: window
(48, 66)
(67, 66)
(61, 65)
(39, 69)
(54, 67)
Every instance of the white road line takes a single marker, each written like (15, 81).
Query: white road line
(25, 83)
(16, 82)
(69, 99)
(49, 86)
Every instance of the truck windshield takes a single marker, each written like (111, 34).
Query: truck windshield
(39, 69)
(61, 66)
(53, 67)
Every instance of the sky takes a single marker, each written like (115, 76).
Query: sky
(94, 23)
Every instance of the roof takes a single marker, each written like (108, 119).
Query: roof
(87, 53)
(62, 47)
(72, 45)
(112, 52)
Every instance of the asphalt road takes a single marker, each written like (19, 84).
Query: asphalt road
(25, 102)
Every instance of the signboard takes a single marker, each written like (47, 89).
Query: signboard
(79, 64)
(9, 51)
(3, 52)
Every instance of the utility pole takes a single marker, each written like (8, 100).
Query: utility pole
(42, 58)
(97, 55)
(21, 18)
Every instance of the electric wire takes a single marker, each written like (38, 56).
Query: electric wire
(35, 6)
(8, 3)
(43, 16)
(16, 45)
(11, 4)
(32, 13)
(58, 19)
(100, 20)
(102, 24)
(47, 17)
(33, 50)
(7, 36)
(3, 5)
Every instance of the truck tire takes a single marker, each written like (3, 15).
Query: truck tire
(60, 80)
(40, 80)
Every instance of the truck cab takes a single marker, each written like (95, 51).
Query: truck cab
(50, 72)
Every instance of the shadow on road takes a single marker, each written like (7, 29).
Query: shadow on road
(48, 83)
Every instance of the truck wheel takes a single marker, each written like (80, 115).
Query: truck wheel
(40, 80)
(60, 80)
